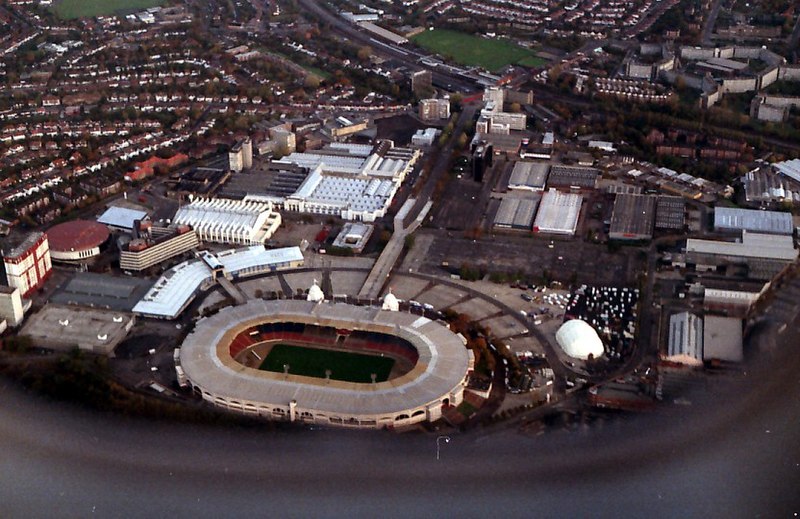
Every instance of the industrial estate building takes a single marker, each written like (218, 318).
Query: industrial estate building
(670, 213)
(722, 339)
(731, 303)
(694, 340)
(685, 339)
(155, 245)
(516, 213)
(26, 262)
(178, 287)
(573, 177)
(439, 362)
(633, 217)
(530, 176)
(558, 213)
(240, 222)
(764, 255)
(751, 220)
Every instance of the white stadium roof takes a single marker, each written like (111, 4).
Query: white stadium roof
(440, 370)
(579, 340)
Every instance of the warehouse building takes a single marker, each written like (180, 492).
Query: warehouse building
(685, 339)
(670, 213)
(529, 176)
(240, 222)
(573, 177)
(633, 217)
(767, 222)
(732, 303)
(516, 213)
(722, 339)
(558, 213)
(764, 255)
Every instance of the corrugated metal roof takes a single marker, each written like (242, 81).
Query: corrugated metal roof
(772, 222)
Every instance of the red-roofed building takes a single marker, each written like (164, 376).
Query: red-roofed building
(147, 168)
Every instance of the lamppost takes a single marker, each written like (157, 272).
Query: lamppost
(438, 440)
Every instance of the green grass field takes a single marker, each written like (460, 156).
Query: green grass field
(312, 362)
(470, 50)
(69, 9)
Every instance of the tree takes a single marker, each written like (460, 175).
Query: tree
(311, 81)
(516, 108)
(364, 53)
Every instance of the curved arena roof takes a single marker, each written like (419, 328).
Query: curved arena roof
(77, 235)
(439, 374)
(579, 340)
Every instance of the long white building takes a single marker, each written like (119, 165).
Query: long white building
(558, 213)
(178, 287)
(220, 220)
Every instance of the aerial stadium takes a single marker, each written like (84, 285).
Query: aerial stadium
(326, 364)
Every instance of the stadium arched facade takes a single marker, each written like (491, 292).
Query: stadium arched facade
(437, 378)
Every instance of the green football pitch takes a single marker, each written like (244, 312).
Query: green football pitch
(312, 362)
(466, 49)
(69, 9)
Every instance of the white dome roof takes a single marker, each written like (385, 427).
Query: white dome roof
(390, 303)
(579, 340)
(315, 293)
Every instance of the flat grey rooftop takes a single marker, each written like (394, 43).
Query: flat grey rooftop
(102, 291)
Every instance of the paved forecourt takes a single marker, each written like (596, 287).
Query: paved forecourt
(437, 379)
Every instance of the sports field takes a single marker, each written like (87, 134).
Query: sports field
(470, 50)
(312, 362)
(68, 9)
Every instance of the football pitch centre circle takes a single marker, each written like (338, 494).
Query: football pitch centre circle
(220, 360)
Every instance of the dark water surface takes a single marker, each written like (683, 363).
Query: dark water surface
(735, 454)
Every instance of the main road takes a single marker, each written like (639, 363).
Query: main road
(352, 32)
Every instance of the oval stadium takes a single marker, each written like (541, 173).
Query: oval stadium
(326, 364)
